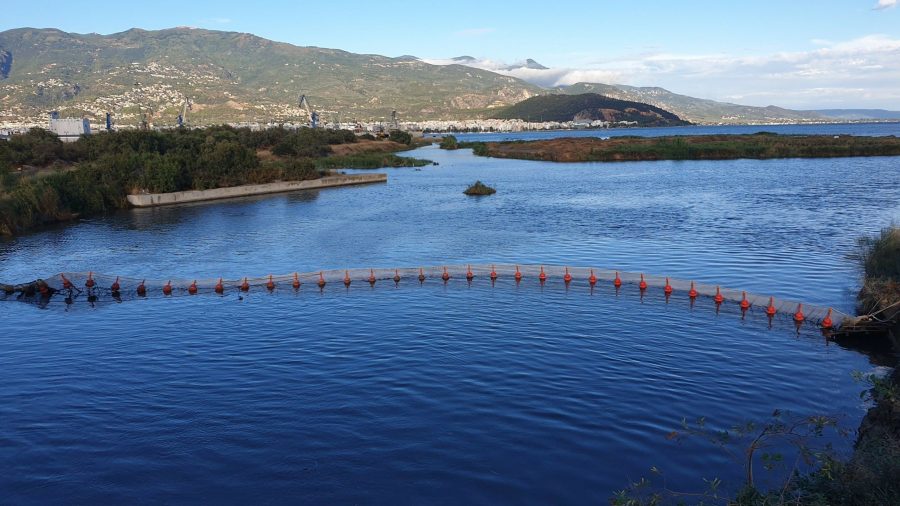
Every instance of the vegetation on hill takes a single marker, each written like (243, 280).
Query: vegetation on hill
(230, 77)
(43, 180)
(588, 107)
(691, 147)
(697, 110)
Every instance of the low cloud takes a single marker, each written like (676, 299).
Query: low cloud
(860, 72)
(885, 4)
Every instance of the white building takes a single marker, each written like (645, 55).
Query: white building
(69, 129)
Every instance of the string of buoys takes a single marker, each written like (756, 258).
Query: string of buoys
(73, 284)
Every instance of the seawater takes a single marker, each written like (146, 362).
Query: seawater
(433, 393)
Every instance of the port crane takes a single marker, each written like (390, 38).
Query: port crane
(182, 118)
(313, 115)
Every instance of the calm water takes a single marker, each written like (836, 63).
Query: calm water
(432, 394)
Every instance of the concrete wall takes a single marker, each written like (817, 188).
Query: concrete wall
(162, 199)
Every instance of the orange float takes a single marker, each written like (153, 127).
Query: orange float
(799, 317)
(718, 298)
(193, 288)
(643, 284)
(346, 278)
(745, 304)
(592, 279)
(321, 281)
(371, 277)
(542, 276)
(518, 274)
(66, 283)
(115, 286)
(220, 288)
(446, 275)
(668, 288)
(90, 280)
(770, 309)
(567, 277)
(421, 275)
(692, 293)
(141, 289)
(296, 283)
(617, 282)
(469, 274)
(167, 289)
(827, 323)
(493, 273)
(396, 275)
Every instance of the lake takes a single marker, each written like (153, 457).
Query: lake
(436, 393)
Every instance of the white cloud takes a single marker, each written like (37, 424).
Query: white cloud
(885, 4)
(860, 72)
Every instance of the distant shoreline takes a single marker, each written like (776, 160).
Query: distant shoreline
(696, 147)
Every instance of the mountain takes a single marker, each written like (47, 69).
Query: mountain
(588, 107)
(858, 114)
(230, 77)
(527, 64)
(692, 109)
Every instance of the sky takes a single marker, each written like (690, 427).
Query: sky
(800, 54)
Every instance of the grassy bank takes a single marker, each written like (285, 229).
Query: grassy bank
(369, 161)
(699, 147)
(44, 181)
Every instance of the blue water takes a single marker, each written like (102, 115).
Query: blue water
(437, 393)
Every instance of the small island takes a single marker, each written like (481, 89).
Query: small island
(688, 147)
(479, 189)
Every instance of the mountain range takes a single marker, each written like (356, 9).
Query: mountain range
(235, 77)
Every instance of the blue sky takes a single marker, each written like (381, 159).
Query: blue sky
(825, 53)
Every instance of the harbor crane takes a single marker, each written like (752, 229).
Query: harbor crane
(182, 118)
(313, 115)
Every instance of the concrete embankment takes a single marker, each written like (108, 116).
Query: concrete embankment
(163, 199)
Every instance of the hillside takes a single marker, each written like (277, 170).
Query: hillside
(692, 109)
(859, 114)
(229, 76)
(588, 107)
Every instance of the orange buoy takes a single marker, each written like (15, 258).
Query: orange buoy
(643, 284)
(798, 316)
(44, 291)
(115, 286)
(446, 275)
(90, 280)
(617, 282)
(270, 285)
(518, 274)
(692, 293)
(141, 289)
(592, 279)
(220, 288)
(193, 288)
(66, 283)
(745, 304)
(421, 275)
(167, 289)
(245, 286)
(718, 298)
(296, 283)
(346, 278)
(770, 309)
(567, 277)
(321, 281)
(371, 276)
(668, 288)
(827, 323)
(542, 276)
(493, 273)
(469, 274)
(396, 275)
